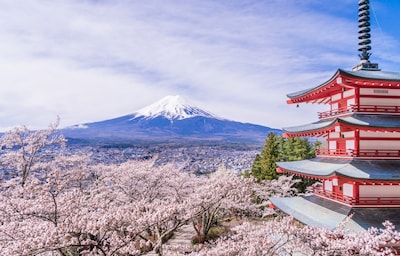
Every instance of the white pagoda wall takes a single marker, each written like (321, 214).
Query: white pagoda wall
(348, 190)
(379, 101)
(379, 144)
(348, 93)
(372, 91)
(388, 97)
(368, 141)
(379, 141)
(328, 185)
(350, 144)
(343, 99)
(379, 191)
(336, 97)
(366, 134)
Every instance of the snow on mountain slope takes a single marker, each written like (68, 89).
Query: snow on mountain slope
(172, 108)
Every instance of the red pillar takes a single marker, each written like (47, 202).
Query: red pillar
(357, 142)
(356, 192)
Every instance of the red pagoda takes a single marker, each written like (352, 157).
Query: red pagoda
(358, 162)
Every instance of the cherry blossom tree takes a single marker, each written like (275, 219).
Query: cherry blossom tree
(65, 212)
(65, 204)
(70, 206)
(284, 236)
(23, 148)
(162, 193)
(74, 208)
(217, 196)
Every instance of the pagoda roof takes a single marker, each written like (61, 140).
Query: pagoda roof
(373, 75)
(313, 214)
(355, 120)
(318, 212)
(323, 167)
(343, 78)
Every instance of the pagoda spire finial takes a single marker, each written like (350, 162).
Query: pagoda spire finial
(364, 37)
(364, 29)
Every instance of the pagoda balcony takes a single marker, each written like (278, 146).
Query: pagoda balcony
(379, 153)
(359, 109)
(335, 152)
(361, 201)
(367, 153)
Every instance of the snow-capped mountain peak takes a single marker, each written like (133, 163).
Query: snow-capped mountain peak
(172, 108)
(171, 119)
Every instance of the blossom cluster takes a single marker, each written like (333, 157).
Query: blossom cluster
(64, 204)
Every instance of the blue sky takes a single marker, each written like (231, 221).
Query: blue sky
(92, 60)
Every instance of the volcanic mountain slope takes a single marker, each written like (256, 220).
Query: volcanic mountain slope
(169, 119)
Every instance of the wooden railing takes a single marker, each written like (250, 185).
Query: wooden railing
(379, 153)
(335, 112)
(335, 152)
(332, 195)
(382, 153)
(377, 201)
(392, 201)
(378, 109)
(360, 108)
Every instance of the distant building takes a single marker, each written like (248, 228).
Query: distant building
(358, 162)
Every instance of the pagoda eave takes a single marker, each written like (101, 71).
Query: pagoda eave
(371, 78)
(300, 174)
(319, 212)
(337, 175)
(325, 131)
(345, 79)
(383, 171)
(387, 124)
(316, 92)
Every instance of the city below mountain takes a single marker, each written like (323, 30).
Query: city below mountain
(169, 120)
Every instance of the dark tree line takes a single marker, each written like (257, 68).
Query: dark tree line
(279, 149)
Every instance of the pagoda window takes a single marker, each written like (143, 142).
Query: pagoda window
(336, 97)
(379, 144)
(349, 134)
(339, 104)
(351, 101)
(379, 92)
(348, 93)
(328, 185)
(332, 146)
(370, 134)
(348, 189)
(334, 135)
(380, 101)
(374, 144)
(371, 191)
(334, 106)
(349, 145)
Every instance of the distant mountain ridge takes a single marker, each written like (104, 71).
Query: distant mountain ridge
(167, 120)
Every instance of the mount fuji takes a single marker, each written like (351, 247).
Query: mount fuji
(170, 119)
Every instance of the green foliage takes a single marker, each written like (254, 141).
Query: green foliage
(303, 184)
(281, 149)
(264, 166)
(294, 149)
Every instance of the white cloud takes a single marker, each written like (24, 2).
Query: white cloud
(92, 60)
